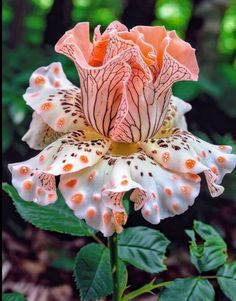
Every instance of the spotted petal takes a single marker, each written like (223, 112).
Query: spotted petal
(40, 134)
(183, 152)
(55, 99)
(82, 192)
(95, 194)
(33, 185)
(69, 153)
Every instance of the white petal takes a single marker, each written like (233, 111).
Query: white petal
(182, 152)
(40, 134)
(56, 99)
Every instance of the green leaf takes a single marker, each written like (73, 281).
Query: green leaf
(210, 254)
(13, 297)
(56, 217)
(188, 289)
(144, 248)
(93, 272)
(226, 277)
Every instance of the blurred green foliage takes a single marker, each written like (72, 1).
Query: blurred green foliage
(217, 81)
(227, 37)
(173, 14)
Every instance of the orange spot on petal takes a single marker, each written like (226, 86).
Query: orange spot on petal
(60, 122)
(84, 159)
(46, 106)
(215, 170)
(51, 196)
(91, 213)
(77, 198)
(175, 206)
(56, 70)
(106, 218)
(39, 80)
(71, 183)
(221, 160)
(56, 84)
(190, 163)
(41, 158)
(168, 191)
(24, 170)
(67, 167)
(222, 147)
(28, 185)
(124, 182)
(165, 157)
(186, 190)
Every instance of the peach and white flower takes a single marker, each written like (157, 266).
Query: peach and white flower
(123, 130)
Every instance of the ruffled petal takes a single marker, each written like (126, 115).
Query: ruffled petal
(39, 134)
(100, 41)
(175, 116)
(104, 88)
(172, 52)
(69, 153)
(153, 35)
(158, 192)
(183, 152)
(146, 103)
(83, 191)
(33, 185)
(96, 194)
(55, 99)
(126, 39)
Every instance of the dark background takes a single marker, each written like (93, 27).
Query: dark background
(37, 260)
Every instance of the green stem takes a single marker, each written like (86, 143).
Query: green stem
(113, 246)
(147, 288)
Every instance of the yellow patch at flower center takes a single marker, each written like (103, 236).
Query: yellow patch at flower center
(123, 149)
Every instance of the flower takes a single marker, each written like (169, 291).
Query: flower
(123, 130)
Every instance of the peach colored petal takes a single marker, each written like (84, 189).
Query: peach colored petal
(183, 53)
(103, 87)
(153, 35)
(76, 44)
(117, 26)
(98, 53)
(180, 50)
(146, 49)
(100, 42)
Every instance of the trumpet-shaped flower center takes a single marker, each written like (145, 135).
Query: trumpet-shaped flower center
(123, 130)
